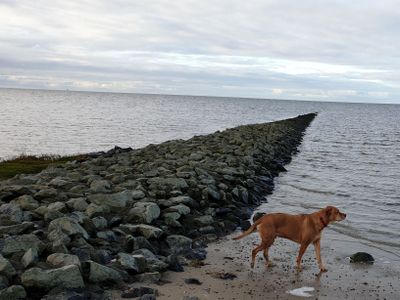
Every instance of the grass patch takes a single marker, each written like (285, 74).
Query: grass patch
(31, 164)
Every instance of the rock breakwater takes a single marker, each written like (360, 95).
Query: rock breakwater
(127, 215)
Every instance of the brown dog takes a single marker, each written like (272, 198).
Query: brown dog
(303, 229)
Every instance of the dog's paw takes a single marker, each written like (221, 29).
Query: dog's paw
(323, 270)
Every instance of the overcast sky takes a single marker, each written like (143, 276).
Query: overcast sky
(313, 50)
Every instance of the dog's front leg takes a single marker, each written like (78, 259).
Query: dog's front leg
(317, 246)
(303, 248)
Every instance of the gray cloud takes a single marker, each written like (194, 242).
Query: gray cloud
(327, 50)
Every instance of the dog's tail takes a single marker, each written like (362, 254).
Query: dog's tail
(248, 231)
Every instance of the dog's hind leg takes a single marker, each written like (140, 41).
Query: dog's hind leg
(266, 256)
(254, 253)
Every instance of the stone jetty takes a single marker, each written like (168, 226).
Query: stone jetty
(76, 230)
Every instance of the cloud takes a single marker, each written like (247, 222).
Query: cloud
(304, 50)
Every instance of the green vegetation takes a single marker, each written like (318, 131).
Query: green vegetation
(30, 164)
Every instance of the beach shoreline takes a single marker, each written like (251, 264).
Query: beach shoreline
(343, 280)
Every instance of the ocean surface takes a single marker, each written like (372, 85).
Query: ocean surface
(350, 156)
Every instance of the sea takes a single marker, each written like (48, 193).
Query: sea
(349, 158)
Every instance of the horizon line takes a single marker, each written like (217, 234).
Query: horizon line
(200, 96)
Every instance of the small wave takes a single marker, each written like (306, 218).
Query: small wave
(357, 235)
(392, 204)
(310, 190)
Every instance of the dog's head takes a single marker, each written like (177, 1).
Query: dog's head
(333, 214)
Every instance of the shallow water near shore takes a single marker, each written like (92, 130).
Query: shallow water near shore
(350, 156)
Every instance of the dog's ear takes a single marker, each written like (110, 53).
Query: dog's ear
(328, 211)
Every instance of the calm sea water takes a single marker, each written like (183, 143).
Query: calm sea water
(350, 156)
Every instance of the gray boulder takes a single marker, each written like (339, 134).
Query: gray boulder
(147, 231)
(180, 208)
(14, 292)
(78, 204)
(153, 262)
(6, 268)
(16, 229)
(144, 212)
(138, 194)
(12, 213)
(100, 186)
(100, 223)
(179, 243)
(149, 277)
(171, 219)
(30, 257)
(45, 194)
(94, 210)
(115, 202)
(132, 263)
(68, 226)
(97, 273)
(19, 243)
(172, 183)
(68, 277)
(26, 202)
(58, 206)
(62, 259)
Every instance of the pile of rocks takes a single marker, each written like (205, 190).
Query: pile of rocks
(127, 215)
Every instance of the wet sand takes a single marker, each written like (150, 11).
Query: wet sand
(342, 281)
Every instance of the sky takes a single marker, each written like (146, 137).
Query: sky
(307, 50)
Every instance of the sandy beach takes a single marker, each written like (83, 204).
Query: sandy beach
(342, 281)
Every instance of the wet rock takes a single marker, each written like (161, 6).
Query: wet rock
(107, 235)
(26, 202)
(224, 275)
(149, 277)
(132, 263)
(148, 297)
(97, 273)
(362, 257)
(171, 219)
(193, 281)
(16, 229)
(174, 264)
(30, 258)
(11, 214)
(179, 243)
(170, 182)
(6, 268)
(13, 244)
(138, 292)
(14, 292)
(68, 277)
(147, 231)
(245, 225)
(62, 259)
(204, 220)
(94, 210)
(114, 202)
(100, 186)
(78, 204)
(144, 212)
(67, 226)
(100, 223)
(138, 194)
(153, 262)
(49, 193)
(58, 206)
(182, 209)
